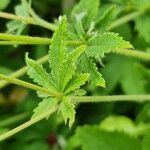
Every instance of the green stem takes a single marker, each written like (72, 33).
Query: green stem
(124, 19)
(28, 20)
(133, 53)
(26, 125)
(113, 98)
(21, 39)
(25, 39)
(28, 85)
(22, 71)
(14, 119)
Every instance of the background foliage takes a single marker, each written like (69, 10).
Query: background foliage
(105, 126)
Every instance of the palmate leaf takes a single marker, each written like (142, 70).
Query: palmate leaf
(46, 105)
(89, 7)
(104, 43)
(39, 74)
(67, 110)
(88, 66)
(62, 63)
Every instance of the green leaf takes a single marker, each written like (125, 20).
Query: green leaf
(62, 63)
(57, 52)
(130, 71)
(67, 110)
(69, 66)
(105, 43)
(125, 125)
(93, 138)
(88, 66)
(142, 24)
(76, 82)
(105, 16)
(46, 105)
(39, 74)
(133, 79)
(89, 7)
(4, 4)
(17, 27)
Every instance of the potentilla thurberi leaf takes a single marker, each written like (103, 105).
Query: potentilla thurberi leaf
(46, 105)
(67, 110)
(76, 82)
(104, 43)
(62, 63)
(89, 7)
(88, 66)
(39, 74)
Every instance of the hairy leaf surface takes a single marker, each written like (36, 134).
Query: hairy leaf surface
(105, 43)
(46, 105)
(67, 110)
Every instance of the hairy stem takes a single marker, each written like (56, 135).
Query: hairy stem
(26, 125)
(28, 20)
(28, 85)
(21, 39)
(25, 39)
(124, 19)
(113, 98)
(22, 71)
(13, 119)
(133, 53)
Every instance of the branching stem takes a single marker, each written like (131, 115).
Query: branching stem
(28, 20)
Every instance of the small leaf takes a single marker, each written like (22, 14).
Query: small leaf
(105, 17)
(39, 74)
(67, 110)
(104, 43)
(46, 105)
(88, 66)
(17, 27)
(89, 7)
(76, 82)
